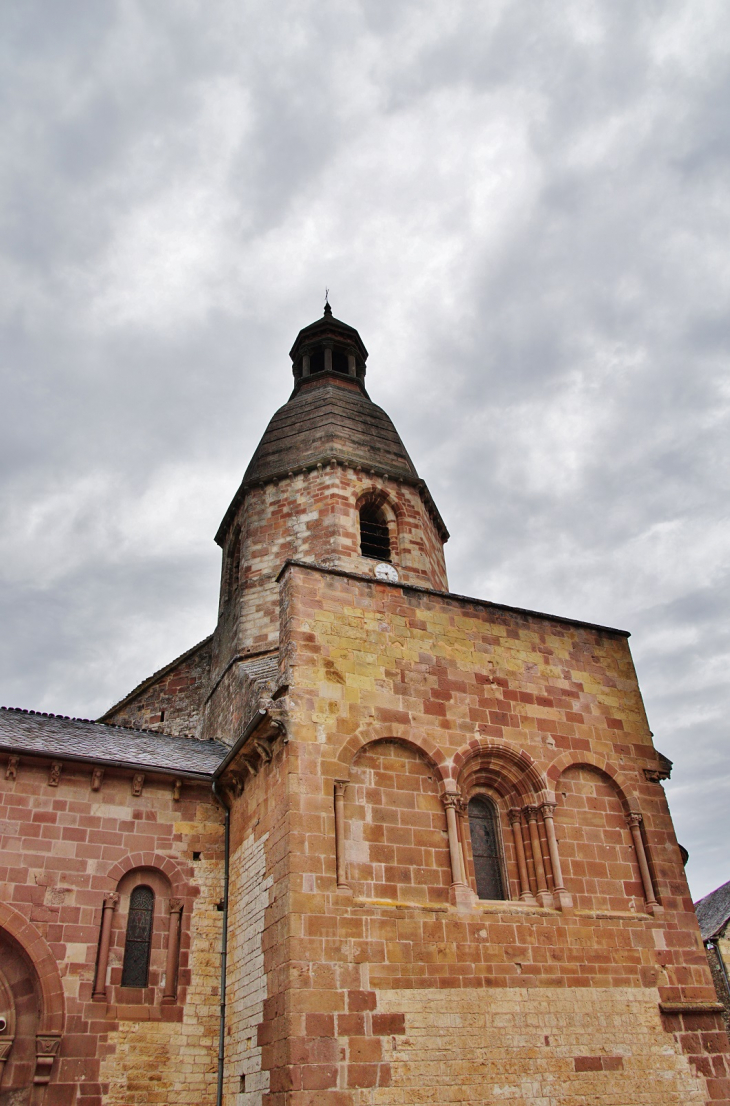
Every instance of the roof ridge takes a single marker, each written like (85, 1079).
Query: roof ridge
(109, 725)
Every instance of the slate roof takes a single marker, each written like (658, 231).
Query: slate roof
(713, 912)
(51, 735)
(262, 668)
(329, 415)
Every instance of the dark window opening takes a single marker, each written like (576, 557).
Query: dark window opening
(242, 1082)
(374, 534)
(339, 362)
(135, 970)
(234, 566)
(316, 362)
(485, 848)
(196, 856)
(162, 716)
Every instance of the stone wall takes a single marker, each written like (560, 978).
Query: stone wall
(64, 849)
(171, 701)
(393, 994)
(312, 516)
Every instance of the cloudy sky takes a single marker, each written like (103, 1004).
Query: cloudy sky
(524, 209)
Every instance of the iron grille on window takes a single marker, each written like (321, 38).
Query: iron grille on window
(485, 848)
(135, 970)
(374, 534)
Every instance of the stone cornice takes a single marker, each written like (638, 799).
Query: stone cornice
(450, 596)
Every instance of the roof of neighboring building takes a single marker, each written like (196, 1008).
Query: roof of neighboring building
(713, 912)
(49, 735)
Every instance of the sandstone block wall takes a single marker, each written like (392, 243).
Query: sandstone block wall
(312, 516)
(64, 848)
(172, 700)
(383, 988)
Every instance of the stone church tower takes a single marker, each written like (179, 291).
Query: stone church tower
(424, 835)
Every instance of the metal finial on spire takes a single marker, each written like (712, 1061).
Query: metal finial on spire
(327, 308)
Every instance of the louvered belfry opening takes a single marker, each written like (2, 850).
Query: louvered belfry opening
(374, 533)
(485, 848)
(135, 970)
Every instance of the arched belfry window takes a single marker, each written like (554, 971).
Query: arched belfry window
(485, 848)
(135, 969)
(374, 533)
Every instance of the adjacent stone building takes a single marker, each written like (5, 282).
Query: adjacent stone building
(424, 834)
(713, 914)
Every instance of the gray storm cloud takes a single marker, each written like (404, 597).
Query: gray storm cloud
(524, 210)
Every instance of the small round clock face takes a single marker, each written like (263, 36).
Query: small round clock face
(386, 572)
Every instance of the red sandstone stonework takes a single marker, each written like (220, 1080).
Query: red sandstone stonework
(361, 718)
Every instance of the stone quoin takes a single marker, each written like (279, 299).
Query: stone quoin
(371, 843)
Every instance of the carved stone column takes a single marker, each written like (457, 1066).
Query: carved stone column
(543, 895)
(461, 894)
(515, 820)
(451, 805)
(634, 820)
(341, 862)
(111, 902)
(560, 893)
(173, 952)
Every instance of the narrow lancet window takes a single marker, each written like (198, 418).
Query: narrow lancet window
(135, 970)
(485, 848)
(374, 533)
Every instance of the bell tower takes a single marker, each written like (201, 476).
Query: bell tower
(330, 483)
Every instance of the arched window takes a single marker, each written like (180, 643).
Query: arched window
(135, 969)
(485, 848)
(374, 533)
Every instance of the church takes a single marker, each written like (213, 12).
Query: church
(371, 843)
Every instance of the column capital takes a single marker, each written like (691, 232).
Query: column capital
(633, 818)
(340, 787)
(531, 812)
(514, 814)
(111, 902)
(548, 808)
(176, 906)
(451, 800)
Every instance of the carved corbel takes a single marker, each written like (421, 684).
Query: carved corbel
(6, 1044)
(263, 748)
(250, 765)
(176, 791)
(11, 772)
(661, 771)
(54, 776)
(137, 783)
(97, 777)
(46, 1051)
